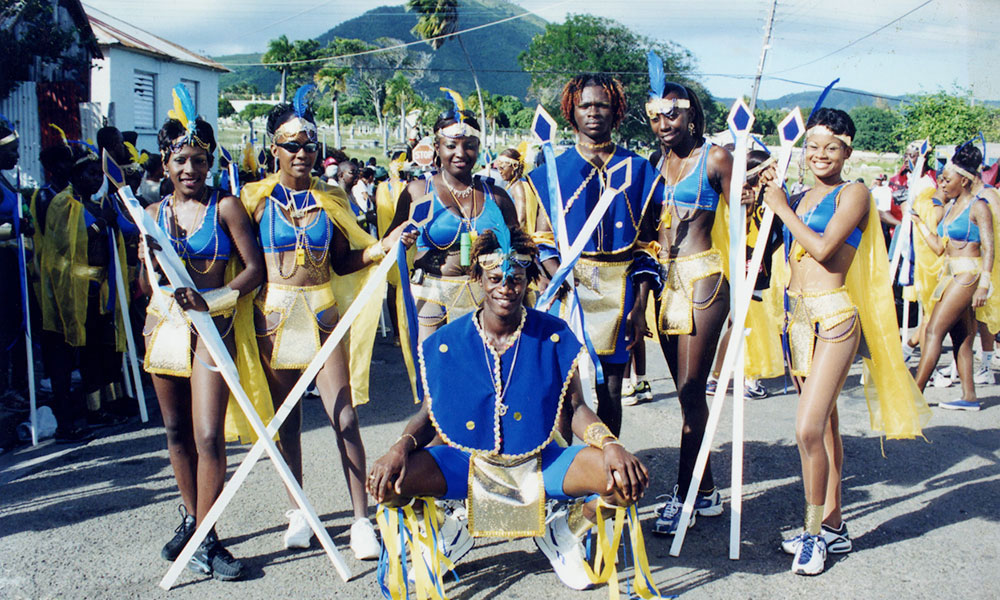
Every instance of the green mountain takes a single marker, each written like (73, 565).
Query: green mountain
(493, 50)
(844, 99)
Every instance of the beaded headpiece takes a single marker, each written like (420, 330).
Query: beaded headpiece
(300, 123)
(657, 104)
(185, 112)
(504, 257)
(460, 128)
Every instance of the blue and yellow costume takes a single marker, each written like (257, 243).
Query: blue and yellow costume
(614, 254)
(896, 407)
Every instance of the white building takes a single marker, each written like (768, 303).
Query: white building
(132, 84)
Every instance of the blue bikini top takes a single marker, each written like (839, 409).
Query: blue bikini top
(278, 234)
(445, 227)
(962, 229)
(208, 241)
(819, 216)
(693, 191)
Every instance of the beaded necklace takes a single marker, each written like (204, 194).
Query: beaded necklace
(302, 250)
(470, 221)
(670, 189)
(181, 245)
(500, 387)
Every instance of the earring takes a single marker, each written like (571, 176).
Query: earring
(847, 169)
(691, 128)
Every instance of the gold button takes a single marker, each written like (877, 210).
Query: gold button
(554, 337)
(470, 425)
(443, 347)
(517, 416)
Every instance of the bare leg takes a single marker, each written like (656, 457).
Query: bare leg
(963, 334)
(956, 299)
(209, 396)
(609, 396)
(834, 446)
(174, 397)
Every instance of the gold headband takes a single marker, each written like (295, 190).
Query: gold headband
(90, 156)
(823, 129)
(663, 106)
(459, 129)
(12, 137)
(767, 163)
(506, 160)
(964, 173)
(494, 259)
(294, 126)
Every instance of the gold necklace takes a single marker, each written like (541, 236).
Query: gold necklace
(455, 193)
(597, 146)
(666, 217)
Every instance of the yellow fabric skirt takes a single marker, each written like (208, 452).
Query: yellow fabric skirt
(601, 288)
(953, 267)
(457, 296)
(810, 312)
(168, 342)
(677, 298)
(296, 336)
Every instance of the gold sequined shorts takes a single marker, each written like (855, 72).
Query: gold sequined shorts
(168, 340)
(296, 335)
(601, 287)
(677, 301)
(809, 315)
(955, 266)
(441, 299)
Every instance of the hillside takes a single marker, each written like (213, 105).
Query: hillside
(499, 71)
(843, 99)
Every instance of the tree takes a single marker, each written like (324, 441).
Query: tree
(225, 108)
(279, 52)
(877, 129)
(399, 95)
(333, 80)
(440, 18)
(253, 111)
(589, 44)
(243, 88)
(942, 117)
(289, 59)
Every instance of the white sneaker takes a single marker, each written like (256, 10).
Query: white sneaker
(299, 533)
(456, 541)
(364, 542)
(564, 551)
(995, 361)
(838, 541)
(941, 378)
(984, 375)
(908, 352)
(810, 556)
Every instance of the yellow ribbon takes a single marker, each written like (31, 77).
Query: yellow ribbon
(642, 584)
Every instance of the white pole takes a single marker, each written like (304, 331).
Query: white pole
(29, 351)
(129, 340)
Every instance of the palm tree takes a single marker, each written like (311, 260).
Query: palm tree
(436, 25)
(334, 80)
(279, 53)
(398, 94)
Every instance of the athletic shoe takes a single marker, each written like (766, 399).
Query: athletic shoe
(837, 540)
(942, 377)
(212, 558)
(668, 514)
(642, 392)
(995, 361)
(564, 551)
(711, 385)
(810, 556)
(182, 534)
(629, 397)
(908, 352)
(960, 405)
(364, 542)
(983, 375)
(299, 533)
(753, 389)
(72, 435)
(455, 541)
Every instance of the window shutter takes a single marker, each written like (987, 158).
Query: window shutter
(144, 100)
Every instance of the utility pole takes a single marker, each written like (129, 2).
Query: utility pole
(763, 54)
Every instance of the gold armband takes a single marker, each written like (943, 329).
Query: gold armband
(985, 278)
(375, 252)
(221, 299)
(597, 434)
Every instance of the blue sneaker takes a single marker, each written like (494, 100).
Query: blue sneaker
(960, 405)
(668, 514)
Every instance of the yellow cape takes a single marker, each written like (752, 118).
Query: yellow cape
(63, 261)
(361, 338)
(990, 312)
(928, 264)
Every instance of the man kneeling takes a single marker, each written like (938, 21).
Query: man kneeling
(499, 385)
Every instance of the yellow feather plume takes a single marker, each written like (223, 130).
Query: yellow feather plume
(139, 159)
(456, 98)
(62, 134)
(177, 112)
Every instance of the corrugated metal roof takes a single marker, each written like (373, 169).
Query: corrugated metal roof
(111, 31)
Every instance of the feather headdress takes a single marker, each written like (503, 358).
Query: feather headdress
(657, 104)
(460, 128)
(137, 158)
(301, 122)
(62, 134)
(10, 137)
(504, 257)
(85, 152)
(185, 112)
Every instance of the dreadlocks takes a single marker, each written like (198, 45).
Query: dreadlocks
(572, 90)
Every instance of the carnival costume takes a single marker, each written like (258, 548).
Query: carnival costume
(614, 255)
(896, 407)
(927, 267)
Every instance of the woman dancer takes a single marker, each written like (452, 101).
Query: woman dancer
(839, 279)
(965, 237)
(451, 208)
(210, 231)
(694, 302)
(310, 240)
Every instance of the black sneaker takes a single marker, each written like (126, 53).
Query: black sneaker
(72, 435)
(212, 558)
(181, 535)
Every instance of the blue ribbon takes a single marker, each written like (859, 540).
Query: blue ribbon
(410, 308)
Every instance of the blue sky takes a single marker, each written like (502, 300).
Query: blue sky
(942, 44)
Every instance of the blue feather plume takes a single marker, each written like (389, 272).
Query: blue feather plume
(300, 103)
(978, 136)
(822, 97)
(187, 105)
(657, 80)
(503, 238)
(458, 105)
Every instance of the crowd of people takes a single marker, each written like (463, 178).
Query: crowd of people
(279, 245)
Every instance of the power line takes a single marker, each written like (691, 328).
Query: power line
(864, 37)
(397, 46)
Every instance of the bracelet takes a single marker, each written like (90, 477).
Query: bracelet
(614, 442)
(985, 278)
(375, 252)
(221, 299)
(596, 433)
(409, 435)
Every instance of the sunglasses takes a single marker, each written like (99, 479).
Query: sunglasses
(294, 147)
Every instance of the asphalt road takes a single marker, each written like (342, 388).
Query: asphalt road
(89, 521)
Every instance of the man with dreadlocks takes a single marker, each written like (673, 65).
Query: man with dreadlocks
(498, 426)
(613, 270)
